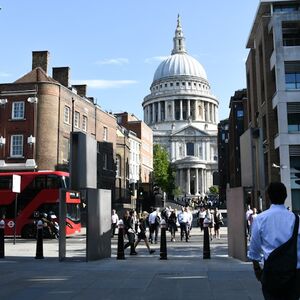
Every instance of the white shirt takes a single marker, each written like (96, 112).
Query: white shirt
(249, 212)
(182, 217)
(114, 219)
(271, 229)
(152, 217)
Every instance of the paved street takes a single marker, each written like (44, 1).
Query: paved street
(185, 275)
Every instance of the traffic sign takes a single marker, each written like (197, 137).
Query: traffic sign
(11, 224)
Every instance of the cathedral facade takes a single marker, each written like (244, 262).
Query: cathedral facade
(183, 114)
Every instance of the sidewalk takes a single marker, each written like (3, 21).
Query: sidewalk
(185, 275)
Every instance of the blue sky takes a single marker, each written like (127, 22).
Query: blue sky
(116, 46)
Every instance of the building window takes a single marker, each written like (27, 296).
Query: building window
(292, 75)
(118, 166)
(291, 33)
(16, 145)
(177, 83)
(190, 149)
(105, 133)
(171, 83)
(67, 111)
(293, 110)
(84, 123)
(200, 152)
(18, 110)
(76, 119)
(105, 161)
(239, 113)
(286, 8)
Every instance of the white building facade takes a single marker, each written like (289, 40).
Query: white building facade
(183, 115)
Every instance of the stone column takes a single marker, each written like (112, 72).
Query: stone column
(181, 111)
(188, 181)
(159, 112)
(188, 109)
(153, 112)
(166, 111)
(149, 114)
(173, 110)
(197, 182)
(206, 112)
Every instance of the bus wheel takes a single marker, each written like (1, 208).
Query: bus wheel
(28, 232)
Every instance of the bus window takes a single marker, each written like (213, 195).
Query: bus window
(73, 212)
(54, 182)
(66, 182)
(5, 182)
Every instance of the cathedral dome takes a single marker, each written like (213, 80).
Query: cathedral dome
(179, 64)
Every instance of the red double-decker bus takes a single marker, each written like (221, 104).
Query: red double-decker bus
(39, 195)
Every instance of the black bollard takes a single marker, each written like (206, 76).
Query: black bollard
(2, 226)
(39, 240)
(120, 253)
(163, 240)
(206, 247)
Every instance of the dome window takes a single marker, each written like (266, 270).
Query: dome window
(166, 85)
(171, 84)
(195, 84)
(183, 83)
(160, 85)
(177, 83)
(189, 84)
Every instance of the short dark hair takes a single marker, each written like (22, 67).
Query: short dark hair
(277, 192)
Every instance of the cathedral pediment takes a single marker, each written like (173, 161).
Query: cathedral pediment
(189, 130)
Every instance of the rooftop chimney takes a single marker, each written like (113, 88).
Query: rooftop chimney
(40, 59)
(61, 75)
(81, 89)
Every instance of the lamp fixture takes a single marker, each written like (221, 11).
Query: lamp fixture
(33, 99)
(2, 140)
(3, 101)
(31, 140)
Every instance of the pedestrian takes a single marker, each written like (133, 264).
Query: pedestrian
(142, 232)
(154, 222)
(201, 217)
(114, 222)
(129, 231)
(183, 220)
(271, 229)
(190, 221)
(172, 224)
(249, 212)
(209, 220)
(218, 218)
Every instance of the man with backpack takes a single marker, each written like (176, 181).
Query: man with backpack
(276, 238)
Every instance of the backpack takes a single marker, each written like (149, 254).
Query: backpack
(281, 266)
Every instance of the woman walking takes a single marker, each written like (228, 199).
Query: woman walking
(142, 232)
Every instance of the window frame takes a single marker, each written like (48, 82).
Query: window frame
(12, 145)
(13, 110)
(67, 114)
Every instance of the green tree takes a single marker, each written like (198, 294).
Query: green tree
(214, 190)
(161, 167)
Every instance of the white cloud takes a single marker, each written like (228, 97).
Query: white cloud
(104, 84)
(154, 59)
(3, 74)
(113, 61)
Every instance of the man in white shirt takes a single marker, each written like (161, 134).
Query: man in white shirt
(270, 229)
(183, 222)
(114, 222)
(154, 221)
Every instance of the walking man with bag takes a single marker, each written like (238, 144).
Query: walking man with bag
(276, 237)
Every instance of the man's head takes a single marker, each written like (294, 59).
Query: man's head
(277, 192)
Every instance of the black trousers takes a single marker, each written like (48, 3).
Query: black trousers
(113, 229)
(184, 231)
(153, 230)
(293, 293)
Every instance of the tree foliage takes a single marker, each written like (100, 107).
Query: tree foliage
(161, 167)
(214, 190)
